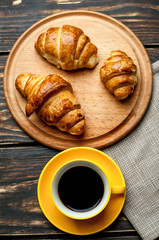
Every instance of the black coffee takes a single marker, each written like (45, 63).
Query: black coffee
(80, 188)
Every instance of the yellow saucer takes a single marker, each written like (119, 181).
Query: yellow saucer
(72, 226)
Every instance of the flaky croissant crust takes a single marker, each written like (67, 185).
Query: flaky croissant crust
(51, 97)
(119, 74)
(67, 47)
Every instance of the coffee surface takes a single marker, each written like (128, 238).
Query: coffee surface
(80, 188)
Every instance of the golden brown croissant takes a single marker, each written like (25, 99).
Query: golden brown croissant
(67, 47)
(52, 98)
(119, 74)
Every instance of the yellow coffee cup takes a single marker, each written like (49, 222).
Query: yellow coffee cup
(81, 188)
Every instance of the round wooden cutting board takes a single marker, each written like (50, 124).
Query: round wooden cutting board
(107, 120)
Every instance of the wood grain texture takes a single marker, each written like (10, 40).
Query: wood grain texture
(21, 157)
(100, 130)
(141, 17)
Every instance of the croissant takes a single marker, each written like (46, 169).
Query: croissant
(119, 74)
(51, 97)
(67, 47)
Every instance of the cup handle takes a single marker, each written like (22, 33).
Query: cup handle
(118, 189)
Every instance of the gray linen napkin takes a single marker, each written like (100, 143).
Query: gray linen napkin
(138, 157)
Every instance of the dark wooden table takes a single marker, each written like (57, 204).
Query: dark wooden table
(21, 157)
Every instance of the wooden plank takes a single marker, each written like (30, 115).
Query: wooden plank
(20, 212)
(142, 18)
(153, 54)
(66, 237)
(117, 236)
